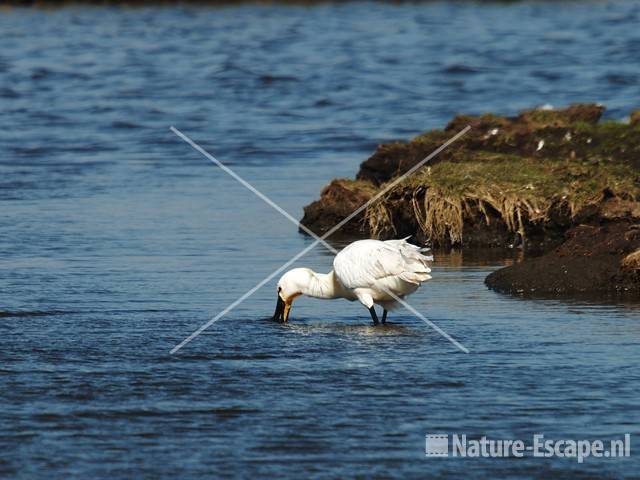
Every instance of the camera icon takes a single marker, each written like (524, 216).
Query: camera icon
(437, 445)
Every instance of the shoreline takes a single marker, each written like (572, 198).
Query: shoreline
(559, 184)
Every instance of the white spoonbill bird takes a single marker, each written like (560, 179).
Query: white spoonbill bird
(371, 271)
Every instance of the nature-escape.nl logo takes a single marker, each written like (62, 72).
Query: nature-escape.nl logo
(540, 447)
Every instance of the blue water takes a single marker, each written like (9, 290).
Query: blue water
(117, 240)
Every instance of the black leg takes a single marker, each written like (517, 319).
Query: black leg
(374, 315)
(384, 316)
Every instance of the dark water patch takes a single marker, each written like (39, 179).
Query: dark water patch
(323, 102)
(300, 445)
(460, 69)
(123, 125)
(623, 79)
(256, 356)
(391, 61)
(51, 118)
(129, 93)
(229, 66)
(32, 313)
(39, 73)
(77, 396)
(28, 152)
(163, 139)
(15, 185)
(444, 384)
(136, 310)
(268, 79)
(49, 151)
(6, 92)
(185, 356)
(132, 413)
(549, 75)
(101, 109)
(43, 73)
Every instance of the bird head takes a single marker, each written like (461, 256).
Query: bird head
(291, 285)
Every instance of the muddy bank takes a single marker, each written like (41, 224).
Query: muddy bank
(544, 181)
(594, 259)
(508, 181)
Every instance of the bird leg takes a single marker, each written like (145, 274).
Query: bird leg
(374, 315)
(384, 316)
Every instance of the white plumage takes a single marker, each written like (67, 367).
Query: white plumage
(371, 271)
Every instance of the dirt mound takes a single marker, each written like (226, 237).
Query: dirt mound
(593, 259)
(510, 181)
(337, 201)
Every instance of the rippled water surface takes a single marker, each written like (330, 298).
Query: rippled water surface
(117, 240)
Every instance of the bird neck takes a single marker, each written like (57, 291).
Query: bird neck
(324, 285)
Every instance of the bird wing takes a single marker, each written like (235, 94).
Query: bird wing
(364, 263)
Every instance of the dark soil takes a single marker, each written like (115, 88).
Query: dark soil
(345, 197)
(589, 261)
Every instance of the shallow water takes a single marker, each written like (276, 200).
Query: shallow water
(118, 240)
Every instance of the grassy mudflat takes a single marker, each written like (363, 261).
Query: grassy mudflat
(533, 181)
(521, 194)
(508, 180)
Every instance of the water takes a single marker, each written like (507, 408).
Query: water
(118, 240)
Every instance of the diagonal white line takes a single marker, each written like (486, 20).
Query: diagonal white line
(318, 239)
(242, 298)
(310, 232)
(233, 174)
(426, 320)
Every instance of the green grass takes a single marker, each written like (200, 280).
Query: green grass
(519, 190)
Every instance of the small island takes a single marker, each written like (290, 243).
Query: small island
(560, 184)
